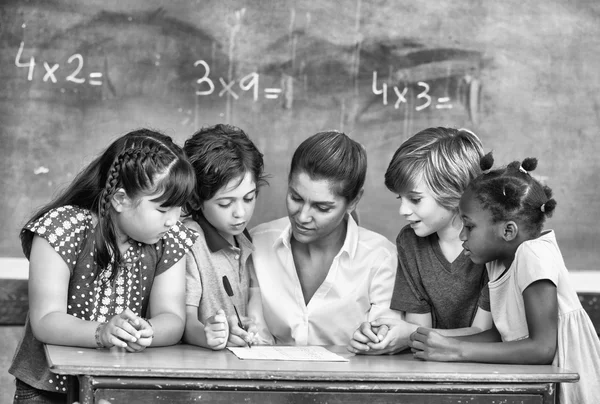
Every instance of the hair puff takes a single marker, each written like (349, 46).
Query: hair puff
(486, 162)
(549, 207)
(529, 164)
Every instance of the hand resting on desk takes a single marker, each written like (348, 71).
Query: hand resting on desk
(217, 330)
(145, 334)
(383, 336)
(427, 344)
(126, 330)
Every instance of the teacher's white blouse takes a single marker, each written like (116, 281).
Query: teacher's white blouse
(358, 286)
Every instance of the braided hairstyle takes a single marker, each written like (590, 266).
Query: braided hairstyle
(511, 193)
(220, 154)
(142, 162)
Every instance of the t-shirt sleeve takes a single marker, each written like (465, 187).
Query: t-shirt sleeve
(533, 265)
(174, 246)
(193, 283)
(484, 296)
(66, 229)
(407, 295)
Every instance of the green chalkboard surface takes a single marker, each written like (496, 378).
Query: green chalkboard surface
(522, 75)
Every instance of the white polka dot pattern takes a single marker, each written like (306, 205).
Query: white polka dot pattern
(94, 293)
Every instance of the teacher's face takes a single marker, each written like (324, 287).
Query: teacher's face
(315, 211)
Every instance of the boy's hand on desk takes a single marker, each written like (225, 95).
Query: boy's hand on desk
(217, 330)
(397, 337)
(242, 336)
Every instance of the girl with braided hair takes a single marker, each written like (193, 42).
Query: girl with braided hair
(538, 318)
(104, 256)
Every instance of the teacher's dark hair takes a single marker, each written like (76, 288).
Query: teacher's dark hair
(334, 157)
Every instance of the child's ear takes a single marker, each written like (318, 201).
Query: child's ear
(510, 230)
(120, 200)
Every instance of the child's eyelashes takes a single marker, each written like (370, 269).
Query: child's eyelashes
(228, 204)
(414, 201)
(468, 226)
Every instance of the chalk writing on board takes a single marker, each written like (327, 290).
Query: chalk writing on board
(246, 83)
(76, 60)
(250, 83)
(423, 96)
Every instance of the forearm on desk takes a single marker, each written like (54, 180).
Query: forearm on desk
(65, 329)
(168, 329)
(194, 332)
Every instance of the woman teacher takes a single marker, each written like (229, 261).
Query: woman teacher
(318, 275)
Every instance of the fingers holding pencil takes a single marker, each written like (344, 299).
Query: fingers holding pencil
(239, 331)
(246, 335)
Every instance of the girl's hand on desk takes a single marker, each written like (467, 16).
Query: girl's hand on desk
(120, 331)
(242, 336)
(217, 330)
(146, 335)
(427, 344)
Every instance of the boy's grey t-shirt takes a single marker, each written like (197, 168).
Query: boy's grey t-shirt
(210, 258)
(427, 283)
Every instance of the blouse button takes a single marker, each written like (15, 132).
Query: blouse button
(237, 257)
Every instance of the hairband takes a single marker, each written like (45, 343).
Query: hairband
(521, 169)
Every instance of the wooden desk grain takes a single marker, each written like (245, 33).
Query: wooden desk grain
(183, 373)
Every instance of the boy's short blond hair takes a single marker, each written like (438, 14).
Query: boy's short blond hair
(446, 159)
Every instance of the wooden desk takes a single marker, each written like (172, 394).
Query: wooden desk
(185, 374)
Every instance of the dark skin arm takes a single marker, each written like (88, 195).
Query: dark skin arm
(541, 311)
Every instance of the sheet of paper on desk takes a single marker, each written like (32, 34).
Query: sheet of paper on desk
(287, 353)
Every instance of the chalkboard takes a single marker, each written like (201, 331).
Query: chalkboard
(522, 75)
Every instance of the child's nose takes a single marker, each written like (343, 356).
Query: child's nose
(173, 217)
(404, 209)
(239, 210)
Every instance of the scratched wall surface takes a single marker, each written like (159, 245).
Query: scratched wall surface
(524, 76)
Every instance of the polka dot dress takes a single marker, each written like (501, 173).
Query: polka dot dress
(97, 294)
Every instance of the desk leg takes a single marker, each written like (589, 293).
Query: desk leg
(72, 389)
(86, 392)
